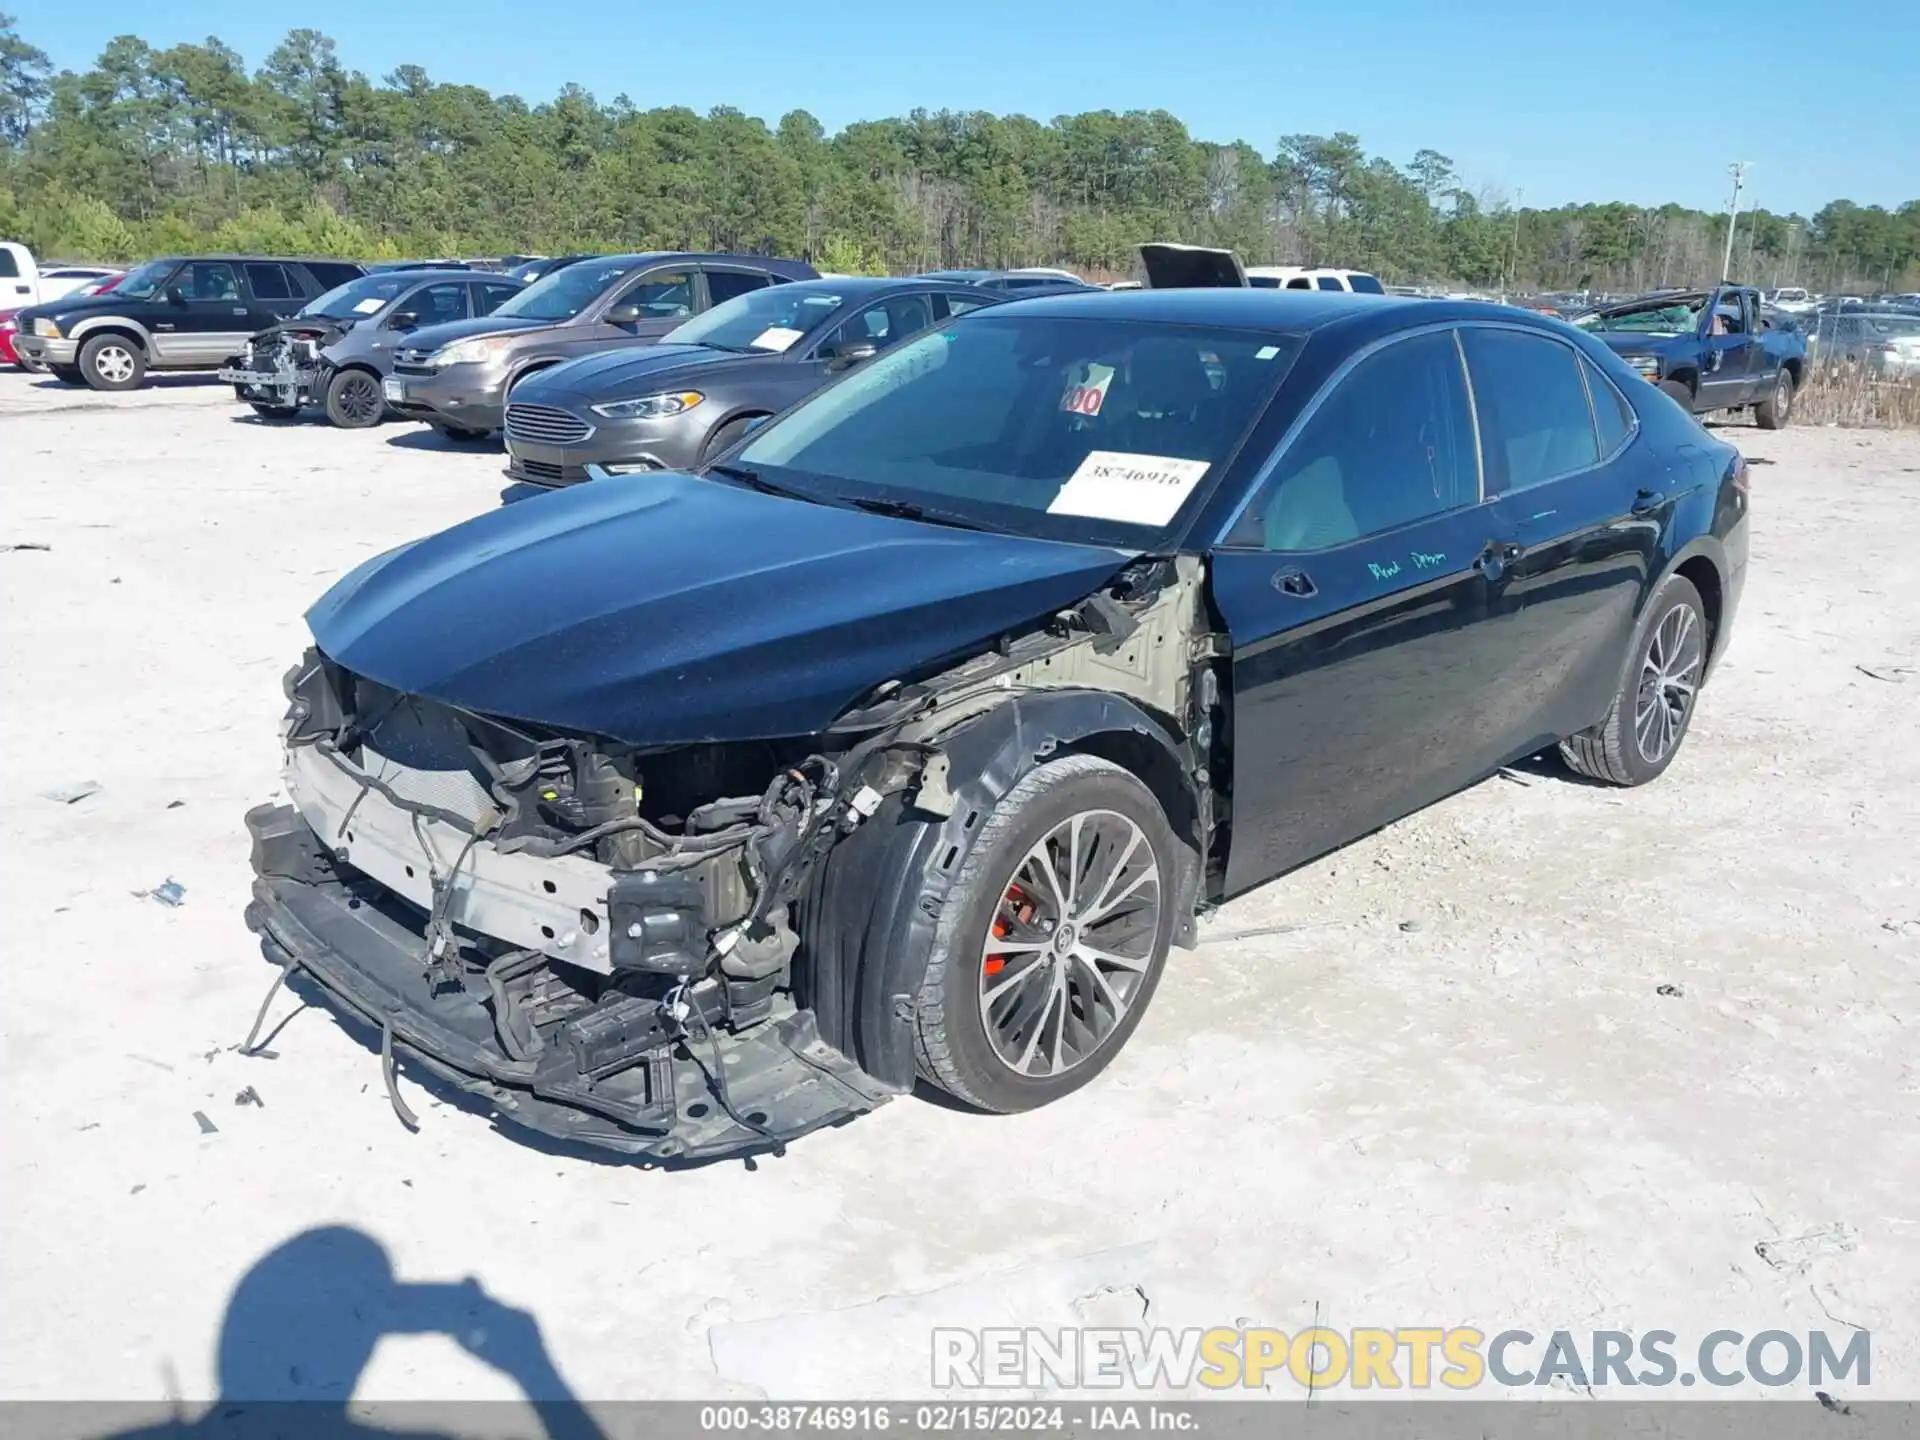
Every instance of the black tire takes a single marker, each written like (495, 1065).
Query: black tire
(1615, 750)
(113, 362)
(354, 401)
(952, 1048)
(726, 437)
(67, 374)
(1680, 393)
(1776, 410)
(457, 433)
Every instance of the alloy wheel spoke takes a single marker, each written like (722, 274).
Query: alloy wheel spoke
(1011, 980)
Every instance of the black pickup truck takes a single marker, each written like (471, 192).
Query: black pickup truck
(1708, 349)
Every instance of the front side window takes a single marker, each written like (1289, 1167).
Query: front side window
(566, 292)
(436, 303)
(1535, 423)
(1390, 445)
(1330, 282)
(269, 282)
(725, 285)
(1080, 429)
(885, 324)
(208, 280)
(663, 295)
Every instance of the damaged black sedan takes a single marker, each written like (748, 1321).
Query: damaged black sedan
(683, 814)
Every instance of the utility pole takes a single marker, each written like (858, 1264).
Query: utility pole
(1513, 259)
(1739, 172)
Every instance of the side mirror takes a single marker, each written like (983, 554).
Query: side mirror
(623, 315)
(175, 295)
(845, 356)
(404, 320)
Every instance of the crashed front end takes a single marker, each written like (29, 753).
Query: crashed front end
(283, 366)
(602, 957)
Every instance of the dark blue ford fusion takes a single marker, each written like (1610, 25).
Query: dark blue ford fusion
(683, 814)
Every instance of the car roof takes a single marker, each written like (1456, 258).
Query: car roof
(852, 285)
(798, 268)
(260, 259)
(1228, 305)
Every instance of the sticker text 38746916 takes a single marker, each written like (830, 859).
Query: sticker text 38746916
(1130, 489)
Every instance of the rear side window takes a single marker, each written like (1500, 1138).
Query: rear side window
(1299, 282)
(9, 267)
(1366, 285)
(947, 306)
(1392, 444)
(1331, 282)
(1613, 417)
(436, 304)
(270, 282)
(1535, 423)
(725, 285)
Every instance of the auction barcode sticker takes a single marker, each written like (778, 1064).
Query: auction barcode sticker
(1131, 489)
(776, 337)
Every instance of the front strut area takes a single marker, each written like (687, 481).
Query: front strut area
(650, 1076)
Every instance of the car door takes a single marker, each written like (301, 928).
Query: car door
(1732, 349)
(1583, 507)
(203, 315)
(1363, 590)
(273, 292)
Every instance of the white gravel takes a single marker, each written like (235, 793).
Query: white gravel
(1492, 1117)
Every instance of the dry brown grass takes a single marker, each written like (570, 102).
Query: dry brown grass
(1847, 395)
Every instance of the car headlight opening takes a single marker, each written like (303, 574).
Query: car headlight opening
(650, 407)
(466, 352)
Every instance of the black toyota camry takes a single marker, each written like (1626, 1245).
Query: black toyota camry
(682, 814)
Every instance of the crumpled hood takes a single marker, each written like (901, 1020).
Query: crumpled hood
(634, 370)
(1623, 342)
(666, 609)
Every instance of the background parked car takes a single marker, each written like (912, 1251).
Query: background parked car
(178, 313)
(672, 405)
(10, 324)
(1883, 342)
(1035, 281)
(456, 376)
(24, 281)
(339, 349)
(1297, 277)
(538, 267)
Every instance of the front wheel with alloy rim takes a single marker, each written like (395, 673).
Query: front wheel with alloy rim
(1654, 706)
(354, 401)
(112, 362)
(1773, 412)
(1052, 939)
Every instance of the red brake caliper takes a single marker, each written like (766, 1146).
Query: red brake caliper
(1016, 908)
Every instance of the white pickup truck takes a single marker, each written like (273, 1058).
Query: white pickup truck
(24, 283)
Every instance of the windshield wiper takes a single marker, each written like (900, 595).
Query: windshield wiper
(755, 480)
(907, 510)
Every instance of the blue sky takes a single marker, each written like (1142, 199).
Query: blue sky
(1566, 102)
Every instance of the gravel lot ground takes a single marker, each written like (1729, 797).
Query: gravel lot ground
(1543, 1056)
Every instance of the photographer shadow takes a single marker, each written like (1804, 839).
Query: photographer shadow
(303, 1322)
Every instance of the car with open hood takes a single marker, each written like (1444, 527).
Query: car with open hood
(456, 376)
(339, 348)
(675, 404)
(684, 814)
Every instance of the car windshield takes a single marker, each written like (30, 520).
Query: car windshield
(1675, 317)
(1089, 430)
(366, 296)
(1899, 325)
(565, 293)
(143, 282)
(772, 319)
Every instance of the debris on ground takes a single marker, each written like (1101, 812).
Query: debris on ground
(138, 1188)
(1671, 991)
(1892, 674)
(1795, 1253)
(207, 1127)
(71, 794)
(170, 893)
(175, 804)
(1507, 772)
(1902, 927)
(1412, 926)
(249, 1096)
(25, 545)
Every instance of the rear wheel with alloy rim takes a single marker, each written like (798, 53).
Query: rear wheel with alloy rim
(112, 362)
(1654, 706)
(1773, 412)
(354, 401)
(1052, 939)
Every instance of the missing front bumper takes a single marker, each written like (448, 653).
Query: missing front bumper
(329, 923)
